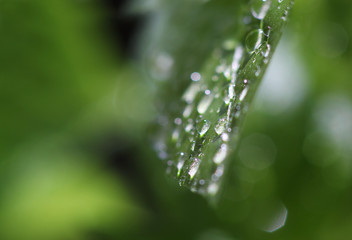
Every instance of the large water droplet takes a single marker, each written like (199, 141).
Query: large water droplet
(194, 168)
(259, 8)
(254, 39)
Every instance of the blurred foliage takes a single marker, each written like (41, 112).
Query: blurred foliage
(75, 162)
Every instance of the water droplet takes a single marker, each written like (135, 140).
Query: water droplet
(221, 126)
(243, 94)
(266, 50)
(175, 135)
(231, 91)
(237, 114)
(204, 104)
(213, 188)
(225, 137)
(178, 121)
(227, 73)
(195, 76)
(189, 127)
(226, 99)
(203, 127)
(218, 173)
(260, 8)
(254, 39)
(162, 66)
(194, 168)
(180, 163)
(193, 146)
(221, 154)
(188, 110)
(229, 44)
(237, 57)
(191, 92)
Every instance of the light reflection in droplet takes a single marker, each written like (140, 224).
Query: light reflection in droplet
(259, 8)
(194, 168)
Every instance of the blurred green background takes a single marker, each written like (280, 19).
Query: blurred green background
(76, 161)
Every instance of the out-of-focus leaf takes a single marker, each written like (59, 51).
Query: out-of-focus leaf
(52, 65)
(52, 193)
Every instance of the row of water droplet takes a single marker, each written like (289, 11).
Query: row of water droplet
(206, 127)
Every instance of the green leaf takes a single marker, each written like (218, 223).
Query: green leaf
(208, 58)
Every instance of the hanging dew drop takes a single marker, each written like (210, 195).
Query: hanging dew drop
(254, 39)
(259, 8)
